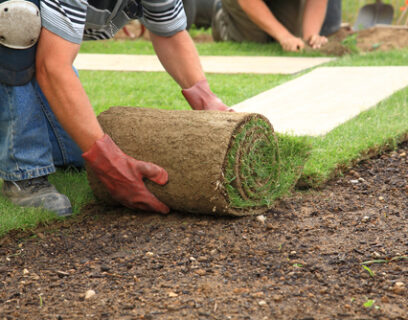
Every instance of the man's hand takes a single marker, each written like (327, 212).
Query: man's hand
(316, 41)
(123, 176)
(200, 97)
(291, 43)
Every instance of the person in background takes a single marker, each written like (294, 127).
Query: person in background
(292, 23)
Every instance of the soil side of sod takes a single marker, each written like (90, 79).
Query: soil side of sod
(305, 261)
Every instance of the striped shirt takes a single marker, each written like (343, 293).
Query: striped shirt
(75, 20)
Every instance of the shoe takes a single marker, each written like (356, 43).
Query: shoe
(38, 193)
(218, 23)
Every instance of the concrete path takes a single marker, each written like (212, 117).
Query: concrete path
(211, 64)
(317, 102)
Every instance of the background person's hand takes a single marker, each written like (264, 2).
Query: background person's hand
(291, 43)
(316, 41)
(123, 175)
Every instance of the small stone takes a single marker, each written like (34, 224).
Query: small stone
(35, 276)
(381, 198)
(149, 254)
(62, 273)
(201, 272)
(277, 297)
(89, 294)
(354, 174)
(240, 290)
(213, 252)
(259, 294)
(25, 271)
(202, 259)
(172, 294)
(354, 181)
(41, 235)
(261, 218)
(365, 219)
(193, 259)
(361, 180)
(262, 303)
(398, 288)
(403, 154)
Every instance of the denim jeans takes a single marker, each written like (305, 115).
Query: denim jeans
(32, 142)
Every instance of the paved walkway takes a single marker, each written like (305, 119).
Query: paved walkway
(312, 104)
(211, 64)
(317, 102)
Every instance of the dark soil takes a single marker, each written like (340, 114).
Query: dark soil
(384, 38)
(302, 260)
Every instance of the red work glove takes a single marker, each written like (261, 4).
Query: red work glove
(123, 176)
(200, 97)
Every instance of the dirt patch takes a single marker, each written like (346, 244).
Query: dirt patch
(302, 260)
(377, 38)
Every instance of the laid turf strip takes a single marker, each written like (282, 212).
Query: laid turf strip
(221, 163)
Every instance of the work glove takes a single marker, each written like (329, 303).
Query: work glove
(200, 97)
(123, 176)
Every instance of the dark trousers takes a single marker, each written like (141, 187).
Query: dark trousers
(238, 26)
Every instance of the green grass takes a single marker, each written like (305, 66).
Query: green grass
(158, 90)
(221, 48)
(371, 132)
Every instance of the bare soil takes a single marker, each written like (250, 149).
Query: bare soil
(301, 260)
(374, 39)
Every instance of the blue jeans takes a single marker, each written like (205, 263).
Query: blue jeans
(32, 142)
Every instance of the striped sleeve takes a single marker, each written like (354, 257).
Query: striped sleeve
(65, 18)
(164, 17)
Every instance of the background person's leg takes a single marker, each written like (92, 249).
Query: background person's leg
(289, 13)
(332, 21)
(231, 23)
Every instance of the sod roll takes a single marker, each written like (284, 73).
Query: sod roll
(220, 163)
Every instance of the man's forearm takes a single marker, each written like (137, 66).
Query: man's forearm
(313, 17)
(179, 57)
(64, 91)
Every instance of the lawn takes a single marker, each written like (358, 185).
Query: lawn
(371, 132)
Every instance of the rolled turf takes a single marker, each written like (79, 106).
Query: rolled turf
(221, 163)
